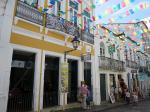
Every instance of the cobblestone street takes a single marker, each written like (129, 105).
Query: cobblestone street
(143, 106)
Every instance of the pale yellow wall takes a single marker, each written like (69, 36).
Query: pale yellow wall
(40, 44)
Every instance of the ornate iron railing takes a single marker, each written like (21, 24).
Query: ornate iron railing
(32, 14)
(111, 64)
(55, 22)
(60, 24)
(87, 37)
(72, 29)
(132, 64)
(20, 102)
(29, 13)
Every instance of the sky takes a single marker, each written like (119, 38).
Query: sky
(122, 11)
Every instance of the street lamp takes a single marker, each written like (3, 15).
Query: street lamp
(75, 42)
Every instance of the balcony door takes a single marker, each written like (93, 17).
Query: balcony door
(73, 16)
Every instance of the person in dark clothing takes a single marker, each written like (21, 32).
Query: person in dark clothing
(89, 99)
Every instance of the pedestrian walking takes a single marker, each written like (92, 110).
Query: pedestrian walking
(89, 99)
(127, 96)
(83, 94)
(135, 97)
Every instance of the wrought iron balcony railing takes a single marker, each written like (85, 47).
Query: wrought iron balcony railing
(32, 14)
(111, 64)
(60, 24)
(29, 13)
(87, 37)
(132, 64)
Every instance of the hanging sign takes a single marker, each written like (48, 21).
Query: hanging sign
(86, 57)
(64, 77)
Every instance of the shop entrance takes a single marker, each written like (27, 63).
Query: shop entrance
(87, 74)
(72, 81)
(51, 81)
(21, 82)
(103, 87)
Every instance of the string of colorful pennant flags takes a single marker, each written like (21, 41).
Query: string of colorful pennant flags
(107, 12)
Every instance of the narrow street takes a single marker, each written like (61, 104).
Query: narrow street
(143, 106)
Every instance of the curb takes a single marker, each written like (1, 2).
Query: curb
(115, 106)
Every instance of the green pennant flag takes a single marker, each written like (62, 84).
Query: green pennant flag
(80, 25)
(93, 6)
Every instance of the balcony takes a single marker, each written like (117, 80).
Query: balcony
(87, 37)
(53, 22)
(29, 13)
(111, 64)
(60, 24)
(132, 64)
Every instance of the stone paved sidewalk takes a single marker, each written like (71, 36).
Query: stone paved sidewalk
(96, 108)
(76, 107)
(101, 107)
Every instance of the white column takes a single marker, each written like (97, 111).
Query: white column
(39, 81)
(116, 80)
(5, 68)
(62, 96)
(6, 19)
(107, 86)
(96, 80)
(80, 72)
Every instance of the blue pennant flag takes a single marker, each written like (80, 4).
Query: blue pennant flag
(131, 11)
(52, 2)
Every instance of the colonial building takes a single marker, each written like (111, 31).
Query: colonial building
(110, 64)
(117, 57)
(36, 38)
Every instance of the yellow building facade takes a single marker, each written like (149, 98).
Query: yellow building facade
(41, 31)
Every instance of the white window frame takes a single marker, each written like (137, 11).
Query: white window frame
(73, 15)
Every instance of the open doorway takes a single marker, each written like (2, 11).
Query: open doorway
(87, 74)
(72, 81)
(21, 82)
(103, 87)
(51, 81)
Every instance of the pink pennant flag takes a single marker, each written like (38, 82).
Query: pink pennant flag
(141, 6)
(123, 4)
(80, 1)
(127, 13)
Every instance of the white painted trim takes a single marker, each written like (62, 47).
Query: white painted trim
(50, 53)
(36, 73)
(73, 57)
(25, 48)
(60, 56)
(57, 31)
(53, 40)
(17, 18)
(25, 32)
(59, 42)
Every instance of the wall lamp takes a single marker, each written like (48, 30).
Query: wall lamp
(75, 42)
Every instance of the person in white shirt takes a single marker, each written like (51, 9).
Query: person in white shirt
(127, 96)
